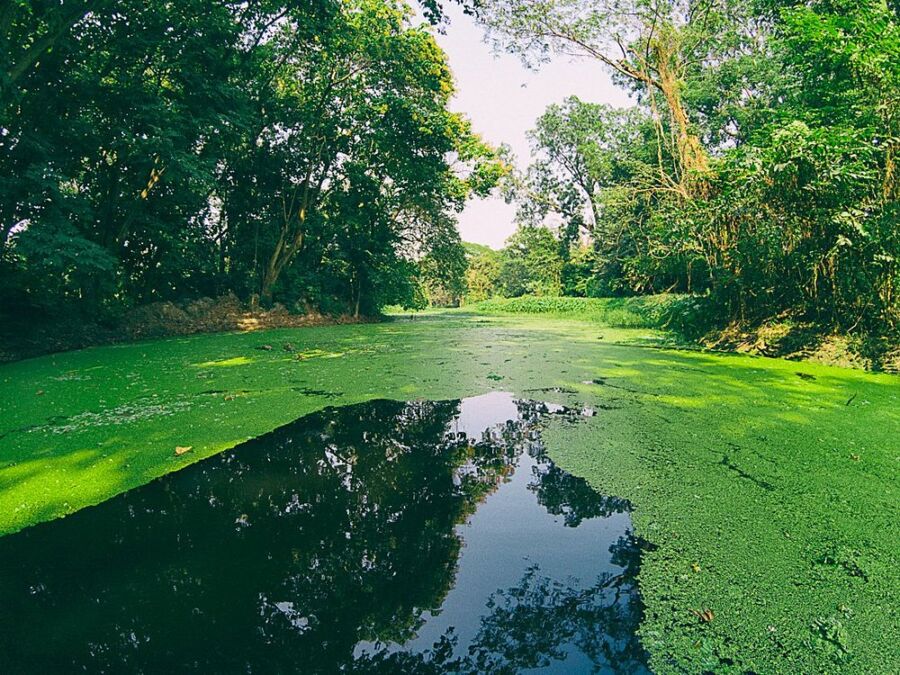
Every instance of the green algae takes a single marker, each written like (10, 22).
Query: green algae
(768, 487)
(772, 502)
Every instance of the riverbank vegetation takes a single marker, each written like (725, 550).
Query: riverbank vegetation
(758, 170)
(304, 156)
(298, 153)
(691, 322)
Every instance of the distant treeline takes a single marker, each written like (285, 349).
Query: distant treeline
(298, 152)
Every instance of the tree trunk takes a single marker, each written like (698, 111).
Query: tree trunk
(58, 28)
(289, 243)
(595, 214)
(280, 258)
(273, 270)
(691, 153)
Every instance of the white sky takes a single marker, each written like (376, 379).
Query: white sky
(504, 99)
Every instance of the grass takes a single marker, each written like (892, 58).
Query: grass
(769, 488)
(691, 321)
(683, 314)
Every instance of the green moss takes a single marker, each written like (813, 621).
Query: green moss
(771, 497)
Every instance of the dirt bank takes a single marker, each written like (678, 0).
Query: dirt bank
(159, 319)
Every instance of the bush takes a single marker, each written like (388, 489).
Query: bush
(687, 315)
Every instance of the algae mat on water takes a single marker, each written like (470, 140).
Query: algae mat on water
(768, 487)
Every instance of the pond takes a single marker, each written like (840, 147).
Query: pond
(381, 537)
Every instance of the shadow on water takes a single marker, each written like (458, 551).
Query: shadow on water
(386, 536)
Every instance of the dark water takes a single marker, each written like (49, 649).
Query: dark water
(384, 537)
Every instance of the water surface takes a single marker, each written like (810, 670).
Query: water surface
(386, 536)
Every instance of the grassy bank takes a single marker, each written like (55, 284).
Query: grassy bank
(691, 321)
(675, 312)
(768, 488)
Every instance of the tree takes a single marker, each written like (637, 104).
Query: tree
(648, 44)
(107, 133)
(581, 149)
(300, 151)
(443, 268)
(797, 103)
(530, 263)
(482, 272)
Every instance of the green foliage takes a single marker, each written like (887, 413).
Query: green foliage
(621, 313)
(530, 263)
(684, 315)
(443, 271)
(764, 175)
(581, 149)
(301, 152)
(482, 272)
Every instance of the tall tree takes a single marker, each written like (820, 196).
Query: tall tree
(285, 148)
(581, 149)
(648, 44)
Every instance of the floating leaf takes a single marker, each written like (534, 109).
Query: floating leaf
(705, 615)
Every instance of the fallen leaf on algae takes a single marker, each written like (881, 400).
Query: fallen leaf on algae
(705, 615)
(181, 449)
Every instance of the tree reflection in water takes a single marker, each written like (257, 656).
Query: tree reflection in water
(288, 552)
